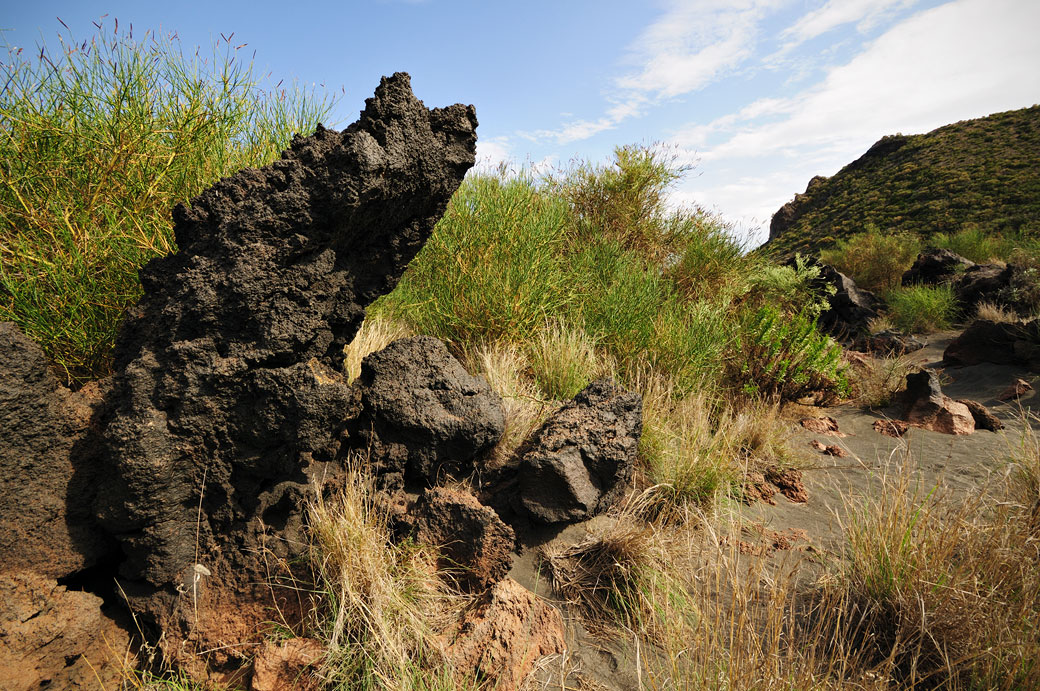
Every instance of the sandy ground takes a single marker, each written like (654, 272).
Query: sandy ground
(952, 464)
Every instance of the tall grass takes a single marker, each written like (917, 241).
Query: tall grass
(922, 309)
(99, 139)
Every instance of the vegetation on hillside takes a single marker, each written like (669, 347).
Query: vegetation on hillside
(982, 174)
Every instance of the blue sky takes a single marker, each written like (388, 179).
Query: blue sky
(759, 94)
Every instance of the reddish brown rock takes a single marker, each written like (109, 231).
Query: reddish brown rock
(983, 418)
(474, 542)
(290, 665)
(822, 425)
(927, 407)
(757, 488)
(504, 634)
(1020, 388)
(830, 450)
(789, 482)
(54, 638)
(891, 428)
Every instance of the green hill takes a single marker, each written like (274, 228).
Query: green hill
(983, 173)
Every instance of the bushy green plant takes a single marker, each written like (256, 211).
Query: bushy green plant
(784, 357)
(97, 144)
(493, 269)
(972, 243)
(790, 288)
(922, 309)
(876, 261)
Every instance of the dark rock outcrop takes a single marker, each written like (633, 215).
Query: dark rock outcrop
(47, 471)
(578, 463)
(888, 342)
(474, 542)
(850, 308)
(228, 401)
(935, 266)
(422, 413)
(983, 283)
(927, 407)
(1001, 343)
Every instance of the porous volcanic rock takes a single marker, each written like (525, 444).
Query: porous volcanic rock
(927, 407)
(1001, 343)
(935, 266)
(47, 467)
(579, 462)
(983, 283)
(422, 413)
(473, 540)
(850, 308)
(228, 400)
(55, 638)
(504, 634)
(888, 343)
(1019, 388)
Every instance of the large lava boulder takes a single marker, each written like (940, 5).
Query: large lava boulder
(1001, 343)
(423, 414)
(849, 307)
(936, 266)
(228, 399)
(927, 407)
(580, 461)
(983, 283)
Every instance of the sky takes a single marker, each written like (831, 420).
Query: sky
(758, 96)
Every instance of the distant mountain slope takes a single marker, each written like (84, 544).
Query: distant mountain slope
(984, 172)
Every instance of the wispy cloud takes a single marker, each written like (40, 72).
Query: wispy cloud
(964, 59)
(836, 13)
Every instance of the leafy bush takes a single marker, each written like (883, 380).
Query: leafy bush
(789, 288)
(785, 357)
(922, 309)
(874, 260)
(98, 144)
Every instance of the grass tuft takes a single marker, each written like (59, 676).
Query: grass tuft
(922, 309)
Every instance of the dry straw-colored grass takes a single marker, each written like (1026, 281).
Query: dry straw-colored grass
(376, 333)
(996, 313)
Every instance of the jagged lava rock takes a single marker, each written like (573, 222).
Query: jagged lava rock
(228, 400)
(927, 407)
(422, 413)
(997, 342)
(504, 634)
(471, 536)
(47, 470)
(984, 419)
(983, 283)
(850, 307)
(935, 266)
(580, 461)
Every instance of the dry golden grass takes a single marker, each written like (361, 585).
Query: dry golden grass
(876, 380)
(383, 601)
(376, 333)
(563, 361)
(996, 313)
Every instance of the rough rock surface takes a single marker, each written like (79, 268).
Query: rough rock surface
(54, 638)
(228, 401)
(822, 425)
(422, 413)
(851, 308)
(983, 283)
(504, 634)
(935, 266)
(472, 538)
(579, 462)
(891, 428)
(983, 418)
(829, 449)
(1019, 388)
(997, 342)
(888, 343)
(289, 666)
(927, 407)
(789, 482)
(47, 468)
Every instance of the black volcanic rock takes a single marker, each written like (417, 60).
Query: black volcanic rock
(228, 399)
(935, 266)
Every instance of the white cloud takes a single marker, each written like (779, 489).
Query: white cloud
(961, 60)
(491, 152)
(838, 13)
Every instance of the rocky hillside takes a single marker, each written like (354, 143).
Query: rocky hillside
(983, 172)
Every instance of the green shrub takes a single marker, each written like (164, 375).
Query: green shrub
(876, 261)
(494, 268)
(784, 357)
(922, 309)
(97, 145)
(789, 288)
(710, 261)
(972, 243)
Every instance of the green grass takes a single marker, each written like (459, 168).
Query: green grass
(922, 309)
(99, 140)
